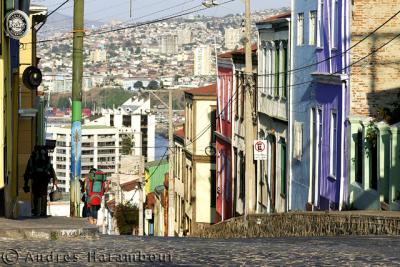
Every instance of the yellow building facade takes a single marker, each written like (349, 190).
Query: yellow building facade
(20, 120)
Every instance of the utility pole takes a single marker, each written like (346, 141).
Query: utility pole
(76, 134)
(141, 191)
(171, 200)
(249, 131)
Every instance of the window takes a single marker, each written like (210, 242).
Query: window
(270, 68)
(300, 29)
(335, 24)
(229, 102)
(127, 120)
(333, 145)
(242, 176)
(176, 206)
(236, 94)
(223, 102)
(285, 69)
(111, 120)
(359, 157)
(213, 125)
(283, 168)
(320, 34)
(373, 161)
(213, 189)
(313, 28)
(277, 68)
(265, 69)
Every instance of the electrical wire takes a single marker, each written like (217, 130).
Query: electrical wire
(101, 32)
(339, 54)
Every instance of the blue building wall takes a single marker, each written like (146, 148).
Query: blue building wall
(301, 98)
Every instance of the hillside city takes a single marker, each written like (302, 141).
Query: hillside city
(182, 56)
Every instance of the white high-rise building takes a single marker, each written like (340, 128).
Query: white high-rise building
(102, 140)
(185, 36)
(202, 60)
(98, 55)
(100, 149)
(232, 38)
(168, 44)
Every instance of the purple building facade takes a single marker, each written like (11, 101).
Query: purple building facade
(331, 107)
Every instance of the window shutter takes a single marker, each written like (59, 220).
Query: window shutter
(298, 140)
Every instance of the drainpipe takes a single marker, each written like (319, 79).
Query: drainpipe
(290, 117)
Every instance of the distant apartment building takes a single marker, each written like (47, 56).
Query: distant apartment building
(232, 38)
(133, 119)
(185, 36)
(168, 44)
(202, 60)
(98, 55)
(102, 140)
(100, 149)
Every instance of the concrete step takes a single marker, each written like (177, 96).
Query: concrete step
(49, 228)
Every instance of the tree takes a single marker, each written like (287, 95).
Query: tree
(46, 69)
(127, 145)
(153, 85)
(138, 85)
(127, 217)
(63, 102)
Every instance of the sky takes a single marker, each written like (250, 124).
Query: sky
(106, 10)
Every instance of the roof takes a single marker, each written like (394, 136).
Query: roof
(129, 186)
(91, 127)
(180, 132)
(236, 52)
(276, 18)
(155, 163)
(209, 90)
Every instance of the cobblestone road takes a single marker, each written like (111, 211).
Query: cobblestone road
(333, 251)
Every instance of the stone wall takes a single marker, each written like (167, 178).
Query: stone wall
(305, 224)
(374, 81)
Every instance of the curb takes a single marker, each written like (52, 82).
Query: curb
(48, 234)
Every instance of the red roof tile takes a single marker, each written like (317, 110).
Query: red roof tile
(209, 90)
(129, 186)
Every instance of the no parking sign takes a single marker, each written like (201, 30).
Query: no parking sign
(260, 150)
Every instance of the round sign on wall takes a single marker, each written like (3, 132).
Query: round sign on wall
(17, 24)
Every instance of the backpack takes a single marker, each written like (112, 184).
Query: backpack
(95, 187)
(40, 161)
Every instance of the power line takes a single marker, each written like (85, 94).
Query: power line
(336, 55)
(344, 68)
(175, 15)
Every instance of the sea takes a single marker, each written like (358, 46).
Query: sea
(161, 144)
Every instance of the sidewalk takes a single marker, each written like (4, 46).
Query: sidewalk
(50, 228)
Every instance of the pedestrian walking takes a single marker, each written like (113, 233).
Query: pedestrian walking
(40, 170)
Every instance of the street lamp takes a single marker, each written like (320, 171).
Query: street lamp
(209, 3)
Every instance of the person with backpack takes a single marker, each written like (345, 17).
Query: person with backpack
(96, 185)
(40, 170)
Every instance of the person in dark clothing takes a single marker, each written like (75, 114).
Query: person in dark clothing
(40, 170)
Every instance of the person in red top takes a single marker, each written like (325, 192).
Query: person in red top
(96, 185)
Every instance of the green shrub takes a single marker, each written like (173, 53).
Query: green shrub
(127, 216)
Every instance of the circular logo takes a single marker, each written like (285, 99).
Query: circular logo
(17, 24)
